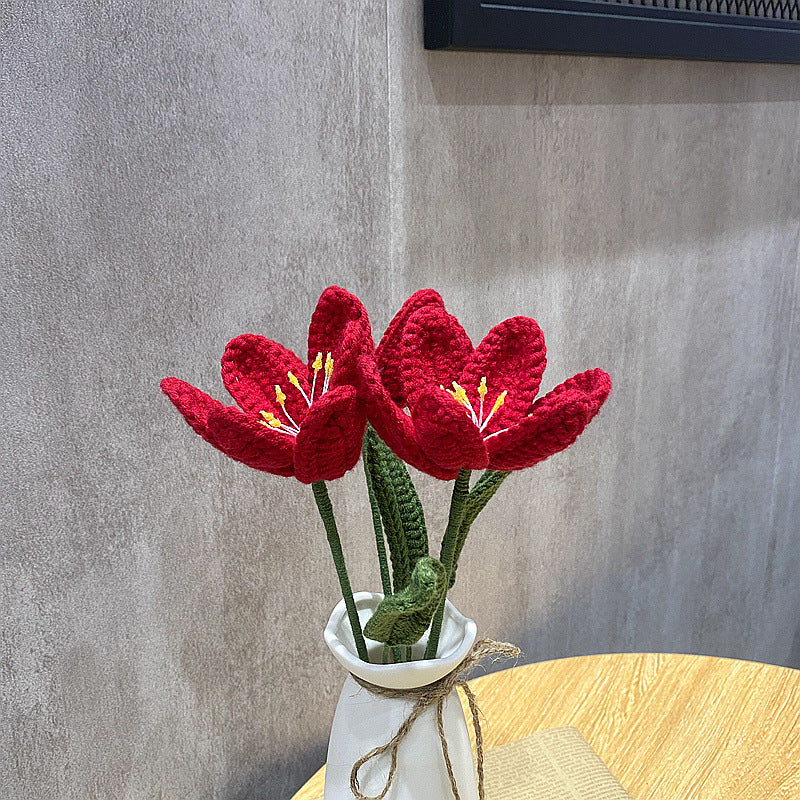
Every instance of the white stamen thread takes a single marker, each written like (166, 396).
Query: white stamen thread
(460, 396)
(281, 399)
(328, 372)
(501, 398)
(296, 383)
(269, 420)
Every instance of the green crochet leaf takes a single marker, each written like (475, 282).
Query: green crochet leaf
(402, 618)
(481, 493)
(400, 508)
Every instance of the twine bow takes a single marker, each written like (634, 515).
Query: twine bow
(426, 696)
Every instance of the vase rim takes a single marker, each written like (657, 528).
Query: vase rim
(457, 637)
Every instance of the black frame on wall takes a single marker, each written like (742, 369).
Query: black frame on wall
(600, 27)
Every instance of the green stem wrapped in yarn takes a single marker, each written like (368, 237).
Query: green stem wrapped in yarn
(326, 512)
(482, 492)
(449, 543)
(380, 543)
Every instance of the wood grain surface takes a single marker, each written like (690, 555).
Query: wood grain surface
(670, 727)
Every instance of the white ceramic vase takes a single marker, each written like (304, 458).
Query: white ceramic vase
(364, 721)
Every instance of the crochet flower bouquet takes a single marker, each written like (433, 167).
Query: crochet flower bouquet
(425, 397)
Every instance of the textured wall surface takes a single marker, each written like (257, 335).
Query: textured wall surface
(175, 176)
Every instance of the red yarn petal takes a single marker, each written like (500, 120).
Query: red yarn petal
(511, 357)
(393, 425)
(593, 386)
(329, 442)
(389, 348)
(339, 326)
(243, 438)
(446, 432)
(192, 403)
(433, 351)
(253, 365)
(556, 421)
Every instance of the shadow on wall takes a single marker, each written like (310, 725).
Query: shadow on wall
(265, 781)
(526, 79)
(520, 161)
(794, 654)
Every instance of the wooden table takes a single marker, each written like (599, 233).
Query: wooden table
(670, 727)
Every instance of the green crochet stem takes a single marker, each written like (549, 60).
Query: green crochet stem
(394, 652)
(380, 543)
(482, 492)
(458, 504)
(326, 512)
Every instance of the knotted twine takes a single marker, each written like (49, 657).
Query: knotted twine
(426, 696)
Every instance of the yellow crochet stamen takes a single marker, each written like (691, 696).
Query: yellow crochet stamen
(281, 399)
(499, 402)
(270, 419)
(328, 372)
(461, 397)
(296, 383)
(482, 390)
(459, 394)
(501, 398)
(316, 366)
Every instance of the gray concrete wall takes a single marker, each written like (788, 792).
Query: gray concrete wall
(175, 176)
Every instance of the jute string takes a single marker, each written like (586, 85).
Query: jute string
(426, 696)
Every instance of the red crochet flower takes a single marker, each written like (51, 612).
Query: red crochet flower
(443, 405)
(306, 421)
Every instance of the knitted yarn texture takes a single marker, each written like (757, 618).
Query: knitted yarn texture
(471, 408)
(400, 508)
(293, 418)
(402, 618)
(434, 401)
